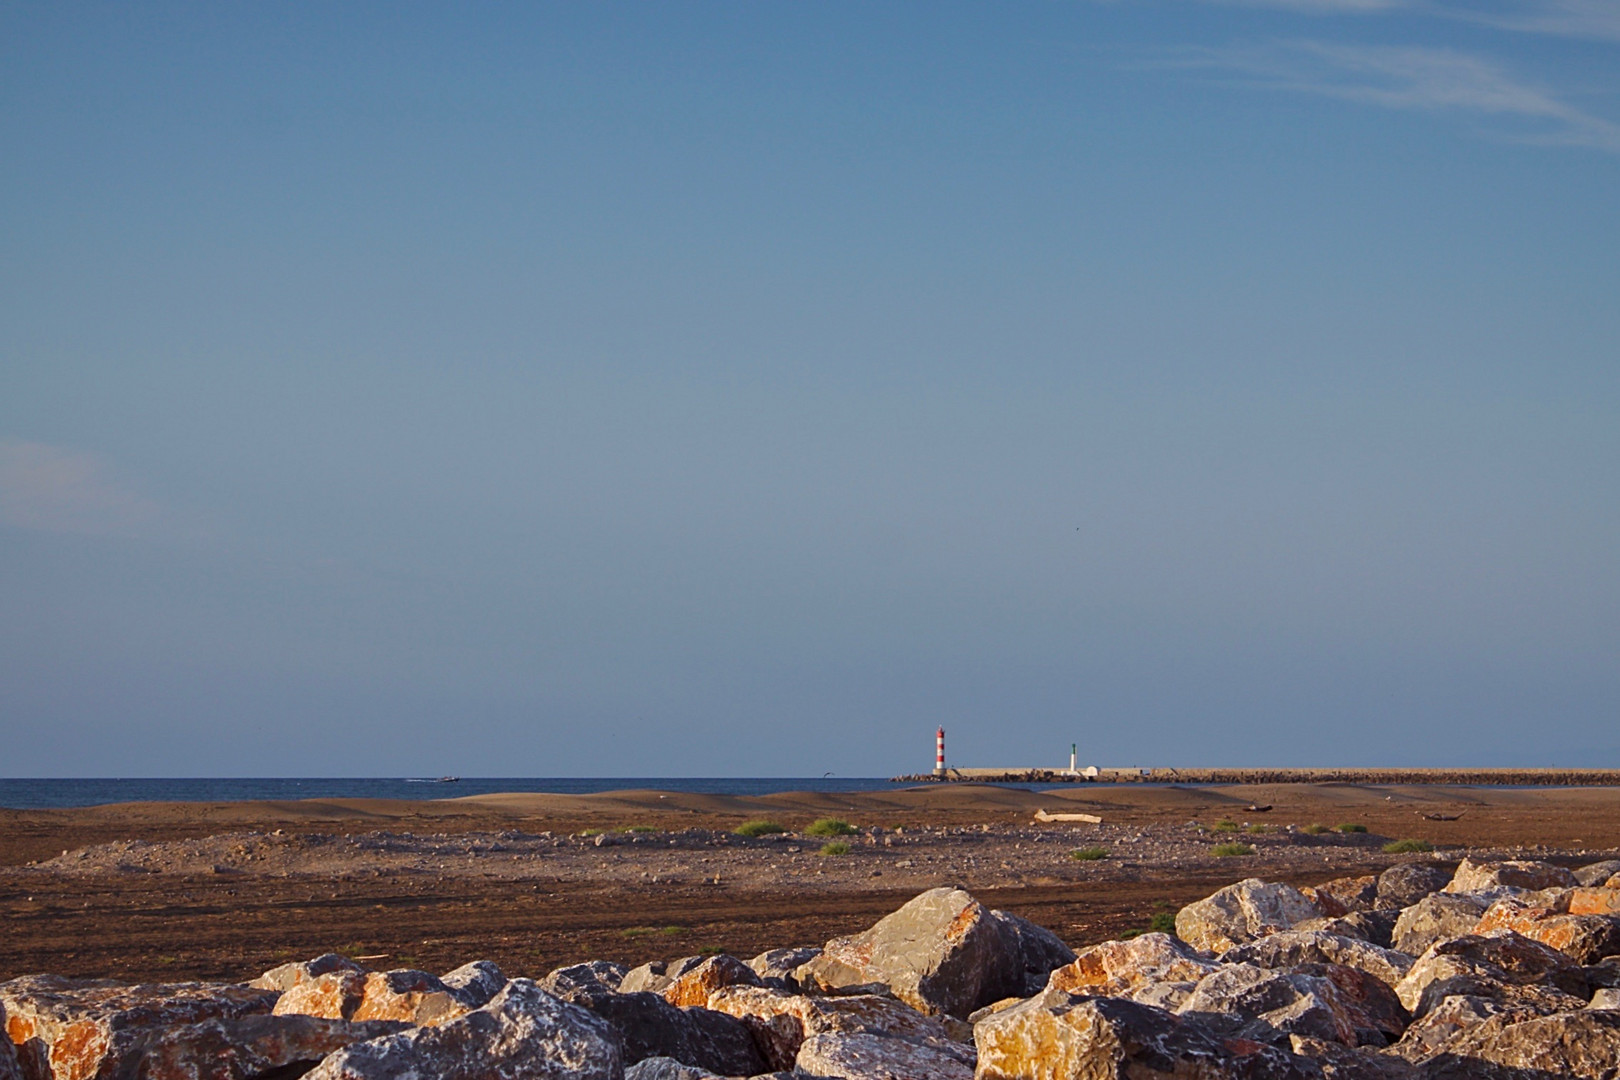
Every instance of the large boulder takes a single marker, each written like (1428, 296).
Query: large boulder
(653, 977)
(246, 1048)
(476, 983)
(1484, 877)
(1404, 884)
(645, 1025)
(1125, 968)
(10, 1069)
(1248, 1002)
(1438, 1028)
(782, 1021)
(1240, 913)
(1584, 1044)
(695, 986)
(1068, 1037)
(523, 1032)
(1377, 927)
(1491, 966)
(1351, 1063)
(414, 997)
(1039, 951)
(1436, 918)
(288, 976)
(66, 1029)
(1288, 948)
(663, 1068)
(1597, 873)
(775, 967)
(942, 952)
(1586, 939)
(1589, 900)
(865, 1056)
(1341, 896)
(596, 974)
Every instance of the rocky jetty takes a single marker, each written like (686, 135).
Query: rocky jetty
(1499, 970)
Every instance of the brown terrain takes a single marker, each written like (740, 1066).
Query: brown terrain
(166, 891)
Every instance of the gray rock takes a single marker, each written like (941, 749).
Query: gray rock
(1607, 998)
(866, 1056)
(1288, 948)
(1039, 952)
(1349, 1063)
(644, 1025)
(781, 1021)
(288, 976)
(1604, 974)
(1269, 1006)
(942, 952)
(1375, 927)
(523, 1032)
(1436, 918)
(476, 983)
(1060, 1036)
(1583, 1045)
(596, 974)
(663, 1068)
(1404, 884)
(1597, 873)
(1455, 1014)
(1500, 965)
(657, 975)
(248, 1046)
(1243, 912)
(775, 968)
(1479, 877)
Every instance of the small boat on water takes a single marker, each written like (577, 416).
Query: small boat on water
(449, 779)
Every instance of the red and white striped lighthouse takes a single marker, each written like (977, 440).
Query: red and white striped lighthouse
(939, 752)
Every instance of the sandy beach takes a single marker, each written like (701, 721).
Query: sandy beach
(220, 890)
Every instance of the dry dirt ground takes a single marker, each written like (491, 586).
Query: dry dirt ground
(223, 891)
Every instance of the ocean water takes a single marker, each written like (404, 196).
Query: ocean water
(56, 793)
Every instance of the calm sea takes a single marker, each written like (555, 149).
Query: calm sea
(44, 794)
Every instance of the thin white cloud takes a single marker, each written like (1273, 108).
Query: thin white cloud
(54, 489)
(1596, 19)
(1413, 77)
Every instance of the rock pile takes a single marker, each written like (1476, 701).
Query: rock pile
(1503, 971)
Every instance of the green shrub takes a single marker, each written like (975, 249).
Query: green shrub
(760, 828)
(830, 826)
(1226, 850)
(1348, 828)
(1258, 830)
(1089, 854)
(836, 847)
(1402, 847)
(1316, 830)
(1225, 825)
(1162, 923)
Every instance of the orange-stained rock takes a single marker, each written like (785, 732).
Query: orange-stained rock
(288, 976)
(9, 1068)
(1119, 968)
(334, 995)
(1594, 901)
(1586, 939)
(781, 1021)
(1065, 1037)
(68, 1029)
(695, 986)
(413, 997)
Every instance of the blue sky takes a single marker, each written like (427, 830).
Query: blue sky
(748, 389)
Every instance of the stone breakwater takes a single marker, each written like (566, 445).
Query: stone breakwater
(1489, 777)
(1505, 970)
